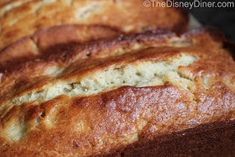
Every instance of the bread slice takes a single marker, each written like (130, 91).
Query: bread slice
(19, 18)
(136, 95)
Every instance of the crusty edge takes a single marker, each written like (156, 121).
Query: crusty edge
(213, 139)
(30, 47)
(87, 49)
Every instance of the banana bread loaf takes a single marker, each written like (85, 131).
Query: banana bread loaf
(149, 94)
(19, 18)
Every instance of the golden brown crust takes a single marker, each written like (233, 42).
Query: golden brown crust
(55, 39)
(21, 18)
(47, 43)
(99, 124)
(112, 119)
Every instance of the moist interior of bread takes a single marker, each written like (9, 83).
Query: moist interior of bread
(137, 74)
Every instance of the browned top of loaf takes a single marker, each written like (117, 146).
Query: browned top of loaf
(131, 90)
(19, 18)
(53, 40)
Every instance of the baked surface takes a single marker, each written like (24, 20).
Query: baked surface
(104, 96)
(19, 18)
(56, 39)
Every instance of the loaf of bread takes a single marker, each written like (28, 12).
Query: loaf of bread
(146, 94)
(19, 18)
